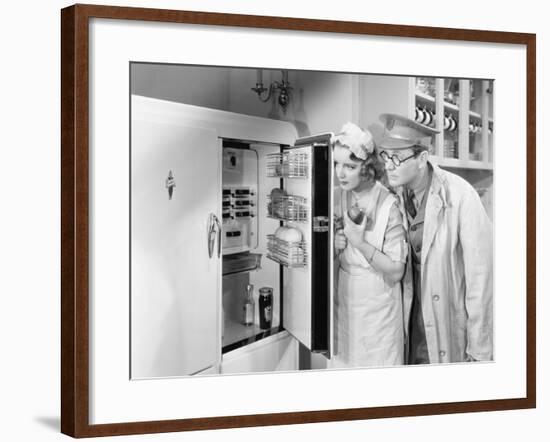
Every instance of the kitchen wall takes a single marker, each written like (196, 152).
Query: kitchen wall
(380, 94)
(325, 101)
(320, 102)
(185, 84)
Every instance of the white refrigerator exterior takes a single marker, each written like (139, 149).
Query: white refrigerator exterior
(175, 283)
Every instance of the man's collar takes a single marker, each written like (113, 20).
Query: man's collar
(425, 182)
(437, 181)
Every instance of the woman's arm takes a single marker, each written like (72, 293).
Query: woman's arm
(390, 261)
(392, 270)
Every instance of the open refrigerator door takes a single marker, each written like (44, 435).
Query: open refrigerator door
(302, 244)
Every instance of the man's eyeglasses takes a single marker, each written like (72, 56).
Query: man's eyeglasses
(395, 159)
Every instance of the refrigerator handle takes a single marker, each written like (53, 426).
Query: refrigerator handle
(211, 234)
(218, 224)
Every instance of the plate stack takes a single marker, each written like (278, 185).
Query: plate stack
(450, 149)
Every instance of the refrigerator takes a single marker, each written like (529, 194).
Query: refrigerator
(225, 207)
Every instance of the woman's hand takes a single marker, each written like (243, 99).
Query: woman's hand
(340, 240)
(355, 233)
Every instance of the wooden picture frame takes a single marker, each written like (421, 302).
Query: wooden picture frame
(75, 246)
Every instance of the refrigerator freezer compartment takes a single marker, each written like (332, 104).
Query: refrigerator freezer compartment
(241, 262)
(288, 164)
(238, 203)
(287, 208)
(289, 254)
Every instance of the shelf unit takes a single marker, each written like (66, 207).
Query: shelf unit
(469, 155)
(460, 164)
(473, 149)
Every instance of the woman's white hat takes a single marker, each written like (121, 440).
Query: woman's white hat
(359, 141)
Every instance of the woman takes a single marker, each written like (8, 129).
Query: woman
(371, 252)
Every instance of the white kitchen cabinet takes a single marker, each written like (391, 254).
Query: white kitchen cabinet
(469, 104)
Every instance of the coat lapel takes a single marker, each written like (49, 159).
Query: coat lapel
(435, 204)
(399, 195)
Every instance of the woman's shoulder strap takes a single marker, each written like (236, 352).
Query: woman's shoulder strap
(388, 199)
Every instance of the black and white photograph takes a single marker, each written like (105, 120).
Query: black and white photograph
(290, 220)
(227, 220)
(276, 220)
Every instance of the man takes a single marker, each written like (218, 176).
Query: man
(448, 284)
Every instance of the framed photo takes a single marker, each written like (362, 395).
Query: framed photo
(270, 221)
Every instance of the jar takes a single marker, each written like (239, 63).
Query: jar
(265, 307)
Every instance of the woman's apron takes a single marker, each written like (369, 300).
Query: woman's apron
(368, 311)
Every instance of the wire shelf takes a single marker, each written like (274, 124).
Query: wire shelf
(287, 208)
(289, 254)
(288, 165)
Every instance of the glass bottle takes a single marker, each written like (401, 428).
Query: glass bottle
(248, 307)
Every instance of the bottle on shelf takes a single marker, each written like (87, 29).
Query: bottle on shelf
(248, 306)
(266, 305)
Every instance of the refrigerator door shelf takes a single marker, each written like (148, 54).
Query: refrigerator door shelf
(288, 254)
(288, 164)
(287, 208)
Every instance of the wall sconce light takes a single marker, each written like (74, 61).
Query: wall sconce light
(283, 87)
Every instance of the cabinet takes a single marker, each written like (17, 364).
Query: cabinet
(461, 109)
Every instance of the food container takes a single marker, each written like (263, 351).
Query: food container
(265, 307)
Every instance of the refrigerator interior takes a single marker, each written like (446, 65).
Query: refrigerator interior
(256, 213)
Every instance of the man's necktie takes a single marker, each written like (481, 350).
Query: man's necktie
(409, 204)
